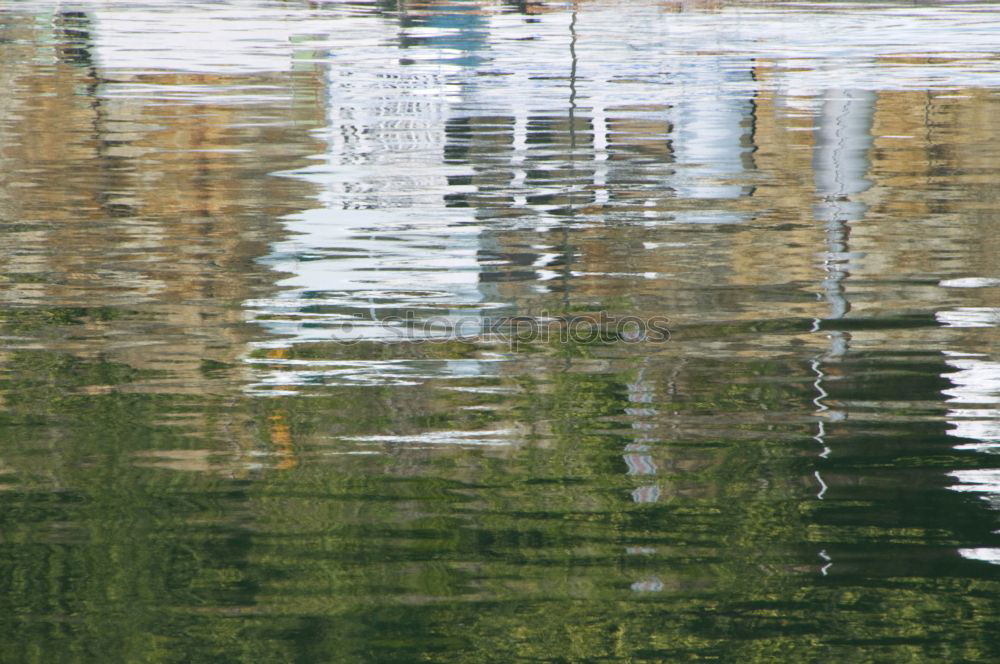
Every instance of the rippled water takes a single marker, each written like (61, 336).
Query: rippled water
(269, 273)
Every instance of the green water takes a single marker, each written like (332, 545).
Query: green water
(264, 396)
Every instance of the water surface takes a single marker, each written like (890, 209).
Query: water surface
(259, 401)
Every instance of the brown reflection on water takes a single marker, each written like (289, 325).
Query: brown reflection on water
(147, 196)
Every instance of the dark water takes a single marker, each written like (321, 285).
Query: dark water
(260, 395)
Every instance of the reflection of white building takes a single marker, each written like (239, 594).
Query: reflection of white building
(386, 241)
(382, 243)
(559, 90)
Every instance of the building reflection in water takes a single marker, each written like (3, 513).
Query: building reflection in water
(141, 169)
(375, 249)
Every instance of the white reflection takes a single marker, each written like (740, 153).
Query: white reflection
(974, 415)
(500, 437)
(831, 47)
(649, 585)
(238, 36)
(969, 317)
(713, 136)
(974, 401)
(985, 553)
(970, 282)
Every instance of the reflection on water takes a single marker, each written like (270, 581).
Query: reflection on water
(254, 402)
